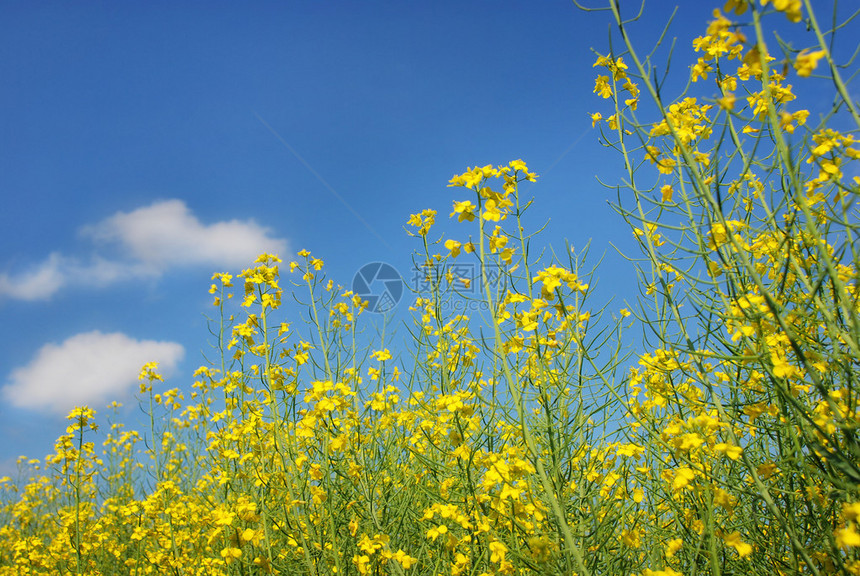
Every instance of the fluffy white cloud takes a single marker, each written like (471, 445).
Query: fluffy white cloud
(38, 283)
(45, 279)
(151, 240)
(92, 369)
(167, 234)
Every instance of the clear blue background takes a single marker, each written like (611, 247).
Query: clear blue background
(109, 107)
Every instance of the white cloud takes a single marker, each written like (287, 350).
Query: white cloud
(45, 279)
(39, 283)
(151, 240)
(87, 369)
(101, 272)
(167, 234)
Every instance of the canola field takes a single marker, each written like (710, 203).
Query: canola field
(526, 440)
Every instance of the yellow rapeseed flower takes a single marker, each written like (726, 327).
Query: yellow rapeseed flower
(602, 87)
(734, 540)
(806, 62)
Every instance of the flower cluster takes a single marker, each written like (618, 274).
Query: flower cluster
(533, 437)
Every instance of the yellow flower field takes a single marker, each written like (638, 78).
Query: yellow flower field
(525, 440)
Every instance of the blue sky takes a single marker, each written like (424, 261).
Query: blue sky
(147, 145)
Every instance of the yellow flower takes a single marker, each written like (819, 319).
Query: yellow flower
(497, 240)
(453, 246)
(733, 452)
(672, 547)
(683, 477)
(664, 165)
(497, 551)
(602, 87)
(847, 537)
(437, 531)
(665, 572)
(493, 211)
(518, 166)
(739, 6)
(266, 258)
(423, 221)
(231, 554)
(248, 534)
(595, 118)
(612, 122)
(666, 193)
(720, 233)
(382, 355)
(752, 64)
(805, 62)
(729, 83)
(618, 69)
(465, 211)
(786, 120)
(781, 367)
(553, 277)
(361, 563)
(633, 450)
(727, 102)
(791, 8)
(700, 70)
(148, 372)
(405, 560)
(734, 540)
(851, 511)
(633, 89)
